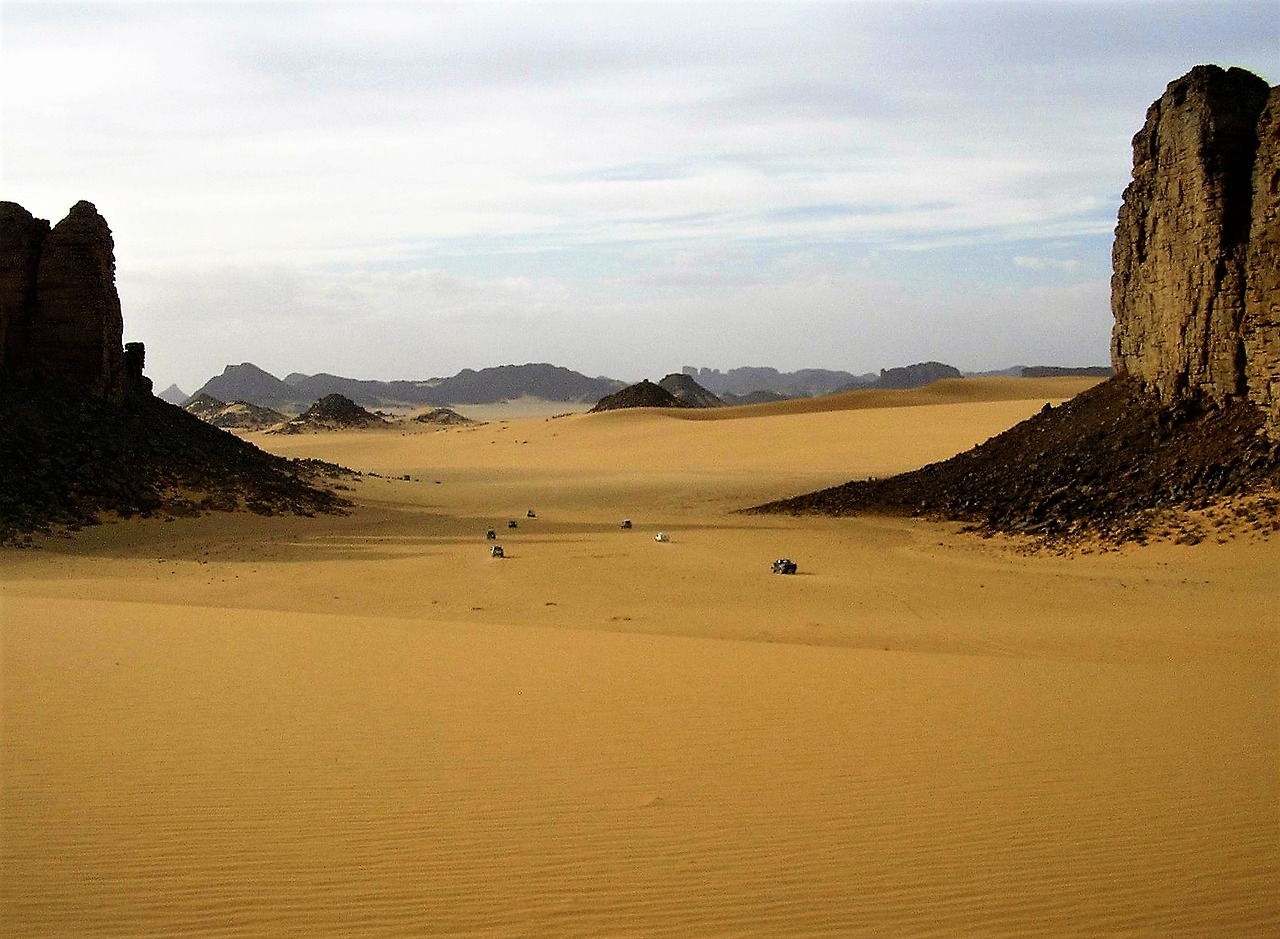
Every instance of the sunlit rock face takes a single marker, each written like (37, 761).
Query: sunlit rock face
(1185, 259)
(1262, 271)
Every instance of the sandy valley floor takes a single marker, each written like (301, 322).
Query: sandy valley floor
(366, 726)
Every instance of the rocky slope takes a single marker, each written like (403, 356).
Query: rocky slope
(1111, 462)
(70, 459)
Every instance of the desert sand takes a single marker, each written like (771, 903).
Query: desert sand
(365, 726)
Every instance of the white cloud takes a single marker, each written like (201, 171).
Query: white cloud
(310, 176)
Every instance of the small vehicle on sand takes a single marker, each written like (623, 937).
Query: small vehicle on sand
(662, 536)
(496, 552)
(784, 566)
(626, 523)
(491, 535)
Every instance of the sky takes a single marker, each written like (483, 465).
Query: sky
(403, 190)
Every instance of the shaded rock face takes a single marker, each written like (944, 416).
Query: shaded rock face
(1181, 259)
(59, 310)
(1262, 271)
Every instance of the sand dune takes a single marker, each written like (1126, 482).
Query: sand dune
(365, 726)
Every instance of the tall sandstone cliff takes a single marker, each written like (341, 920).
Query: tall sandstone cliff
(59, 310)
(1262, 271)
(1194, 281)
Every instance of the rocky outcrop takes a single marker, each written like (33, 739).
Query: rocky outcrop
(1184, 258)
(21, 241)
(643, 394)
(332, 412)
(914, 376)
(689, 391)
(1262, 271)
(59, 310)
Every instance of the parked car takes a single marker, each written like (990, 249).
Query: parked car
(496, 552)
(784, 566)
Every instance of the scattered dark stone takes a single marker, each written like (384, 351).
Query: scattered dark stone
(1102, 463)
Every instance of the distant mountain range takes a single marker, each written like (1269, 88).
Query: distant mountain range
(750, 379)
(297, 392)
(747, 385)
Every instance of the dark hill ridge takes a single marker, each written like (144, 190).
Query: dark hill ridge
(247, 382)
(644, 394)
(913, 376)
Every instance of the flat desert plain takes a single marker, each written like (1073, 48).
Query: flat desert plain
(365, 726)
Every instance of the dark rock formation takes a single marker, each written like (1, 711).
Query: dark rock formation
(689, 391)
(644, 394)
(1106, 462)
(332, 412)
(1182, 248)
(444, 417)
(912, 376)
(59, 311)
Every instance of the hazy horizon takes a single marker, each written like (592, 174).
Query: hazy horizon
(403, 190)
